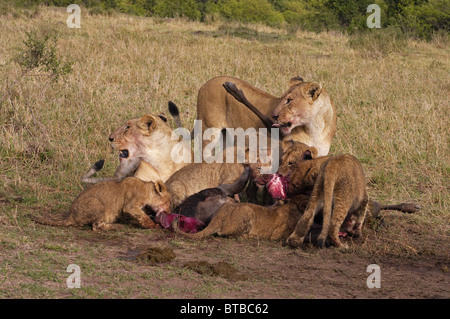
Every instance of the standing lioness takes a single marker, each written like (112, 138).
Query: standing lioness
(102, 204)
(305, 112)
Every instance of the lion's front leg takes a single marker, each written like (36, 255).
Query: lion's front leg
(141, 218)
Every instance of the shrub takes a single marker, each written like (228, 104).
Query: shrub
(177, 8)
(419, 18)
(348, 10)
(40, 54)
(424, 19)
(309, 15)
(250, 11)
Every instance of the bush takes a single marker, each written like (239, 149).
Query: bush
(420, 18)
(347, 11)
(250, 11)
(40, 54)
(177, 8)
(424, 19)
(311, 15)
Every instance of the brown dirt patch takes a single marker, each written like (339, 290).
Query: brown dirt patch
(221, 269)
(156, 255)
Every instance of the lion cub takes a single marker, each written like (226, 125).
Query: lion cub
(102, 204)
(254, 221)
(338, 189)
(302, 181)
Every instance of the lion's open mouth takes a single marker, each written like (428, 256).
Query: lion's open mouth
(124, 154)
(150, 211)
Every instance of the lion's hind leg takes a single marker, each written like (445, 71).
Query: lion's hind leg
(359, 217)
(340, 211)
(304, 224)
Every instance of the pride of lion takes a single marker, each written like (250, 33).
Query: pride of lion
(234, 199)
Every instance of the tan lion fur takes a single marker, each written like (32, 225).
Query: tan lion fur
(248, 220)
(338, 189)
(101, 205)
(195, 177)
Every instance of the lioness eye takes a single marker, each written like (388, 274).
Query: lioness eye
(290, 163)
(288, 101)
(126, 128)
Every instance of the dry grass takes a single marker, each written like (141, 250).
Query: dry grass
(392, 111)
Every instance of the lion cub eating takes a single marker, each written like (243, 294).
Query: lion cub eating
(103, 204)
(339, 190)
(252, 221)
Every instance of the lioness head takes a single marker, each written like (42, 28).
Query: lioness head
(138, 136)
(298, 106)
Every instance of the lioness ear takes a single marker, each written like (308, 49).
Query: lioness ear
(312, 90)
(145, 122)
(160, 187)
(295, 80)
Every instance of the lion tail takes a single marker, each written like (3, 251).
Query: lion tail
(174, 111)
(94, 169)
(61, 220)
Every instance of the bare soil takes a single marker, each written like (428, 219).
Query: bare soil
(136, 263)
(264, 269)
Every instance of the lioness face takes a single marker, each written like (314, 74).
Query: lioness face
(298, 106)
(137, 136)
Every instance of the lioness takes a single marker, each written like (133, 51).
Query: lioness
(145, 147)
(195, 177)
(305, 112)
(101, 205)
(253, 221)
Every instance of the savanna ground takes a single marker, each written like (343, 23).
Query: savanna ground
(392, 98)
